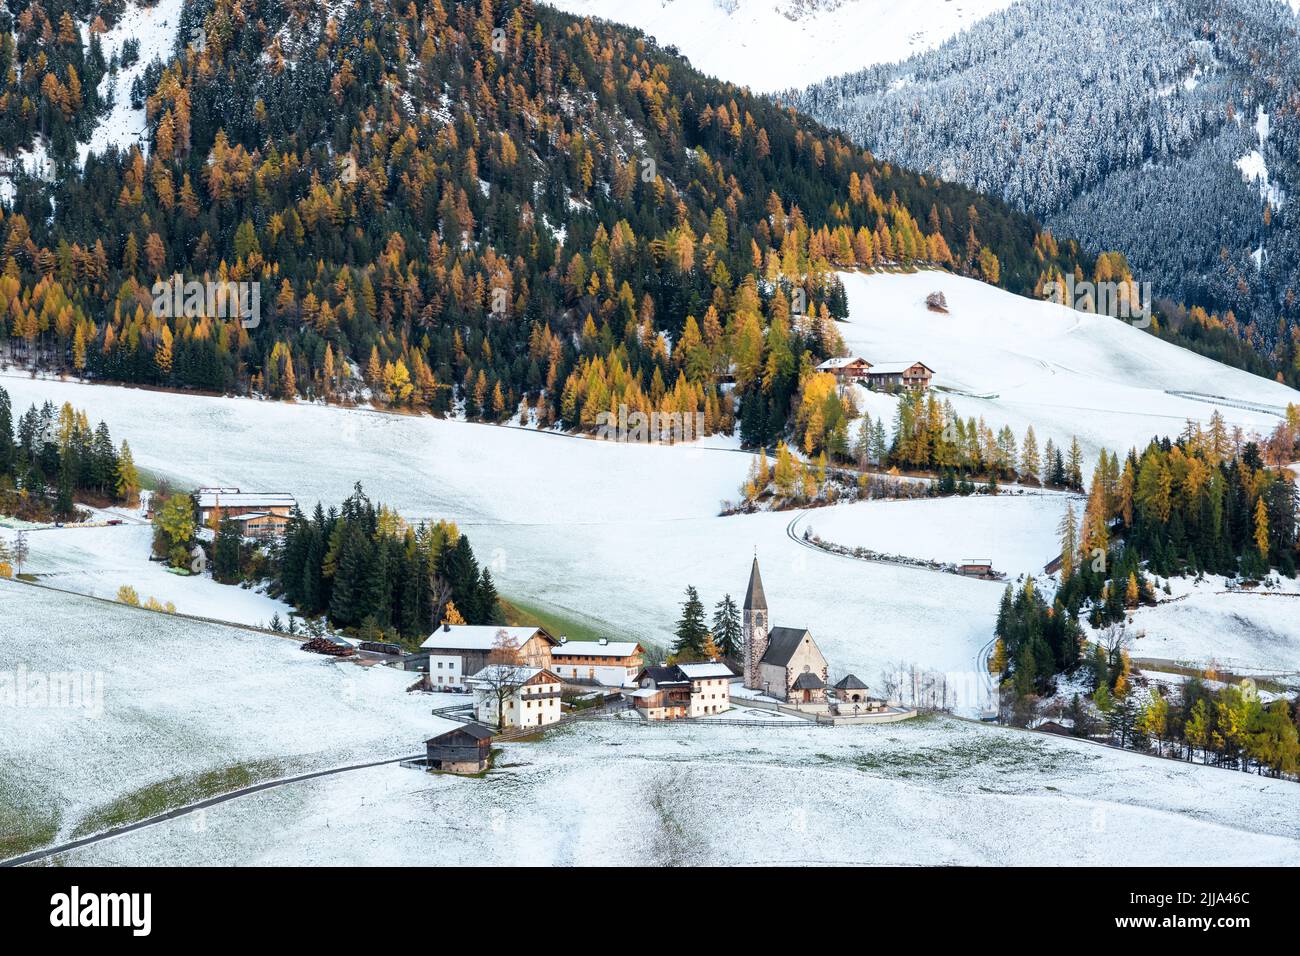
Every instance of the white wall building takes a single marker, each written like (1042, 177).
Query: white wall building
(511, 695)
(445, 672)
(611, 663)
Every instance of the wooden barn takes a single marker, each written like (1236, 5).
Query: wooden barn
(464, 749)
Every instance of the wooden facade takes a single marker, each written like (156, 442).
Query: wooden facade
(464, 749)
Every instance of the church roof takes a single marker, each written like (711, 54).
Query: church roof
(851, 683)
(808, 681)
(782, 642)
(755, 599)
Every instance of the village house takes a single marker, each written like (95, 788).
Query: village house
(261, 515)
(514, 695)
(464, 749)
(464, 649)
(676, 691)
(781, 662)
(886, 375)
(605, 662)
(846, 369)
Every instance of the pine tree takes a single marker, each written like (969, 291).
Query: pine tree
(691, 630)
(726, 627)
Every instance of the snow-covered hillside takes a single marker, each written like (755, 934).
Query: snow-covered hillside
(1019, 362)
(613, 533)
(178, 699)
(919, 793)
(773, 45)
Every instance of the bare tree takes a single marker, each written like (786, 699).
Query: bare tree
(501, 679)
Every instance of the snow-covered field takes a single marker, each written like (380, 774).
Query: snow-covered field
(99, 560)
(772, 45)
(1243, 631)
(1017, 532)
(1019, 362)
(925, 792)
(613, 533)
(176, 699)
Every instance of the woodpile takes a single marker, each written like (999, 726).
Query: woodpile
(323, 645)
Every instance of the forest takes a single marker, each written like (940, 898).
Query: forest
(490, 210)
(361, 567)
(49, 456)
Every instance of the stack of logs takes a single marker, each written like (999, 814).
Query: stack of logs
(323, 645)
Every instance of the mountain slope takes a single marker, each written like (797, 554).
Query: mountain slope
(488, 210)
(1166, 129)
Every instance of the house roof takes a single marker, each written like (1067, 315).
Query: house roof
(705, 670)
(480, 637)
(662, 675)
(782, 642)
(842, 362)
(601, 648)
(511, 673)
(850, 683)
(473, 730)
(897, 368)
(808, 681)
(755, 599)
(238, 499)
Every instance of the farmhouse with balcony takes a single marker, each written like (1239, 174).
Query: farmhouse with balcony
(683, 690)
(887, 375)
(846, 369)
(781, 662)
(262, 515)
(514, 695)
(463, 649)
(605, 662)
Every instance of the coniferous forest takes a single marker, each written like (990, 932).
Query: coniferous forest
(363, 568)
(471, 208)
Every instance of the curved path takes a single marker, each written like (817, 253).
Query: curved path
(50, 851)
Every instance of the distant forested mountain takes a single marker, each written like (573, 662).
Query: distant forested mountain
(1166, 129)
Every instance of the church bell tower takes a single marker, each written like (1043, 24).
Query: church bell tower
(755, 628)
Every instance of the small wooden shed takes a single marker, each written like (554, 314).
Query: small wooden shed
(463, 749)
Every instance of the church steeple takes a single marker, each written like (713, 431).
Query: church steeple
(755, 599)
(754, 628)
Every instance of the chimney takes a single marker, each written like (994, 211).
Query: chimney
(604, 641)
(446, 626)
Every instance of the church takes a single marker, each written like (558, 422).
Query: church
(780, 662)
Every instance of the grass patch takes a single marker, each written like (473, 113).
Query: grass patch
(156, 798)
(573, 626)
(24, 826)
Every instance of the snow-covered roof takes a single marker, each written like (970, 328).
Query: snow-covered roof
(708, 669)
(509, 673)
(841, 362)
(596, 649)
(210, 498)
(479, 637)
(896, 368)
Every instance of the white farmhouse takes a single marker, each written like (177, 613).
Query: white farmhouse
(514, 695)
